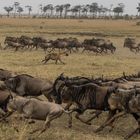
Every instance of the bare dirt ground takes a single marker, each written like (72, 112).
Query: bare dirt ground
(86, 64)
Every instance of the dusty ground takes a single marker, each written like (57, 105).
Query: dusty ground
(86, 64)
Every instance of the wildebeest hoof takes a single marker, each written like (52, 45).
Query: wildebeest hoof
(97, 130)
(88, 123)
(31, 138)
(111, 129)
(70, 126)
(126, 137)
(32, 132)
(31, 122)
(16, 129)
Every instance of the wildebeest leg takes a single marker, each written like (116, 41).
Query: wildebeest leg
(16, 48)
(77, 116)
(49, 118)
(2, 112)
(83, 50)
(70, 120)
(137, 129)
(45, 61)
(68, 106)
(61, 61)
(132, 133)
(6, 115)
(110, 115)
(97, 113)
(56, 61)
(110, 121)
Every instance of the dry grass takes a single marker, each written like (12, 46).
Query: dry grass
(86, 64)
(32, 26)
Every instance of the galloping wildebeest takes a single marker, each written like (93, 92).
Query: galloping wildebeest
(131, 44)
(26, 85)
(91, 48)
(36, 109)
(86, 96)
(15, 45)
(4, 99)
(126, 102)
(12, 39)
(101, 44)
(5, 74)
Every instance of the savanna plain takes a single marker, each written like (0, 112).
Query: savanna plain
(77, 64)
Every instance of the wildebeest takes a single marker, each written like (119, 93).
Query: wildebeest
(26, 85)
(36, 109)
(5, 74)
(91, 48)
(86, 96)
(101, 44)
(15, 45)
(131, 44)
(4, 98)
(126, 101)
(54, 56)
(66, 44)
(5, 95)
(37, 41)
(45, 46)
(12, 39)
(26, 41)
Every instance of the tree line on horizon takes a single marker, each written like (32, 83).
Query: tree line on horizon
(93, 10)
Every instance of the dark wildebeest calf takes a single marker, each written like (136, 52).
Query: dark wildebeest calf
(5, 74)
(26, 85)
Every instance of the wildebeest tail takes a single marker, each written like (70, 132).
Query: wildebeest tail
(68, 112)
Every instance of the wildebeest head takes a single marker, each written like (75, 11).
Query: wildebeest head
(134, 104)
(14, 102)
(58, 84)
(11, 106)
(12, 83)
(5, 74)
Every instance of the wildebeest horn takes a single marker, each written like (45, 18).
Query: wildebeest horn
(62, 74)
(102, 77)
(124, 75)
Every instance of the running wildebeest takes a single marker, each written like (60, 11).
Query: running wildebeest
(35, 109)
(126, 101)
(86, 96)
(131, 44)
(4, 99)
(26, 85)
(5, 74)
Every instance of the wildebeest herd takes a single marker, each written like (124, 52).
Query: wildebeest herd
(70, 44)
(117, 96)
(95, 45)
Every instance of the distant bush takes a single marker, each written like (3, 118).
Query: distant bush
(138, 23)
(34, 16)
